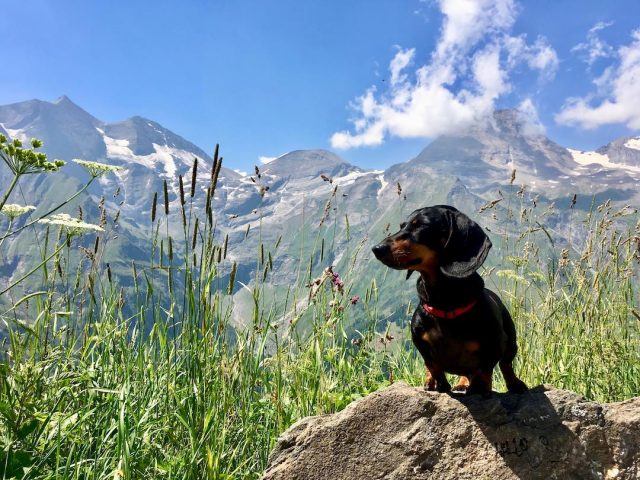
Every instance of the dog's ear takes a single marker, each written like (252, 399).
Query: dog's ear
(466, 248)
(409, 273)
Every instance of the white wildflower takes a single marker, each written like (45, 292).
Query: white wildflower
(12, 210)
(72, 226)
(97, 169)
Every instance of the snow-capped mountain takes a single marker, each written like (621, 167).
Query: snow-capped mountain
(293, 195)
(623, 154)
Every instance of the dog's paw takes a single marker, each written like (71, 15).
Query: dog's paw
(462, 385)
(517, 386)
(479, 389)
(430, 384)
(443, 387)
(440, 387)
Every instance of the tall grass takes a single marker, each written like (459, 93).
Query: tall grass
(156, 380)
(575, 301)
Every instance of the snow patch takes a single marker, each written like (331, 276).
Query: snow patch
(351, 177)
(633, 143)
(383, 182)
(246, 179)
(116, 147)
(15, 133)
(163, 155)
(264, 159)
(166, 155)
(590, 158)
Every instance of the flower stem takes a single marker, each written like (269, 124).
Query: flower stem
(50, 211)
(8, 230)
(34, 269)
(11, 187)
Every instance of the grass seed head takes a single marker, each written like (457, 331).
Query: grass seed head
(166, 197)
(194, 174)
(181, 184)
(154, 204)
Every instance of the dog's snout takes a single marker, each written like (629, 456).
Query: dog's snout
(381, 250)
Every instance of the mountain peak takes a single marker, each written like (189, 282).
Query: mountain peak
(67, 130)
(137, 119)
(308, 163)
(511, 122)
(66, 104)
(624, 151)
(142, 134)
(62, 100)
(66, 107)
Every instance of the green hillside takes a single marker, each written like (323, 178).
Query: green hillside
(169, 366)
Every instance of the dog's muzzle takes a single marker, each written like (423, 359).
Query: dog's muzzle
(381, 250)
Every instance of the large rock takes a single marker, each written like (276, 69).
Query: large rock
(403, 432)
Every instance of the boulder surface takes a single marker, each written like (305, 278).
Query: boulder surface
(404, 432)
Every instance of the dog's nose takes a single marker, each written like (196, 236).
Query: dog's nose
(381, 250)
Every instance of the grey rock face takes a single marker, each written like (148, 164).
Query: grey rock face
(623, 151)
(403, 432)
(486, 153)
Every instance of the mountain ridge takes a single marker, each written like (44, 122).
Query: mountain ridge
(527, 143)
(298, 196)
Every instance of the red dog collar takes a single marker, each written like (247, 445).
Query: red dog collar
(436, 312)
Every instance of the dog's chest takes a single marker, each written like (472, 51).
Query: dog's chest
(454, 344)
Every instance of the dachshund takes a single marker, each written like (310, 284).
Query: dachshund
(459, 327)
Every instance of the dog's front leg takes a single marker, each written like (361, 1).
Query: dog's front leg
(514, 384)
(436, 379)
(429, 382)
(481, 383)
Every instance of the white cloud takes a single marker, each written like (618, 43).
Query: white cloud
(528, 110)
(595, 48)
(616, 98)
(488, 73)
(539, 56)
(467, 72)
(542, 57)
(467, 21)
(399, 63)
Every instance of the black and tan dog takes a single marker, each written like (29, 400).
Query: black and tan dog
(460, 327)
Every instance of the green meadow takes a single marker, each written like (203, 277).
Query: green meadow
(102, 378)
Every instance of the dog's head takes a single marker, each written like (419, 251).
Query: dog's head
(432, 238)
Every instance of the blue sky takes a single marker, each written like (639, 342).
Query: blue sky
(372, 80)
